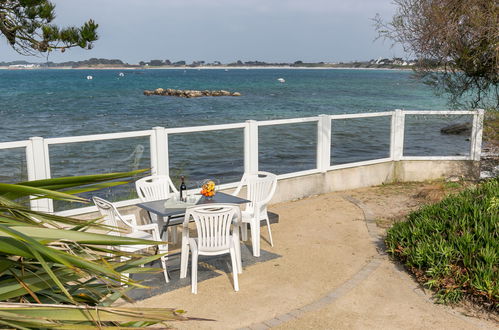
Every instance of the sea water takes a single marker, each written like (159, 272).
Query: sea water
(59, 103)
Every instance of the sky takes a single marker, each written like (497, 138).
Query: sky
(225, 30)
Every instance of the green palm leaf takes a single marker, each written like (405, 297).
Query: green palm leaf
(46, 258)
(82, 317)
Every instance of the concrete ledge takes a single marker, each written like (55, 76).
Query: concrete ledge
(373, 175)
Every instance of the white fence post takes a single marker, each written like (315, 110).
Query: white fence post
(251, 147)
(38, 166)
(159, 152)
(397, 135)
(324, 143)
(476, 135)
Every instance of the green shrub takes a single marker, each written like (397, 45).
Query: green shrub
(453, 246)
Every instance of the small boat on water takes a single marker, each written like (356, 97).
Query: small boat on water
(281, 80)
(121, 74)
(90, 77)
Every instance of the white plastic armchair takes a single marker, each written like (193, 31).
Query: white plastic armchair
(150, 231)
(157, 187)
(217, 228)
(260, 188)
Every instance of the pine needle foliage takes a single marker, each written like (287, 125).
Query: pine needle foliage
(27, 26)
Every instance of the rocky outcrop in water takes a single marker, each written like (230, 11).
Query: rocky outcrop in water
(189, 93)
(457, 129)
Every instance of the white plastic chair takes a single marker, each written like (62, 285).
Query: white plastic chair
(150, 231)
(157, 187)
(260, 188)
(218, 233)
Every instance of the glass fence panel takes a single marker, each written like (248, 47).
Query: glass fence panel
(287, 148)
(13, 165)
(453, 133)
(216, 155)
(98, 157)
(360, 139)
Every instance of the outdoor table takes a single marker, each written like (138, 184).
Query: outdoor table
(178, 209)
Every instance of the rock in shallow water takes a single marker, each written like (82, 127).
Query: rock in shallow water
(189, 93)
(457, 129)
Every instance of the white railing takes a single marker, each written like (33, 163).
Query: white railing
(38, 161)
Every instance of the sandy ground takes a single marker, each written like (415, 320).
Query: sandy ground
(324, 243)
(388, 299)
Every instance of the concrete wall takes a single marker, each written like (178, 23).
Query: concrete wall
(372, 175)
(421, 170)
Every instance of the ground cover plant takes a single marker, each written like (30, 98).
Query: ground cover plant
(452, 246)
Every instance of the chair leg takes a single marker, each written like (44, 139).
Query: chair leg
(184, 259)
(237, 247)
(233, 257)
(164, 249)
(268, 228)
(255, 238)
(165, 271)
(194, 272)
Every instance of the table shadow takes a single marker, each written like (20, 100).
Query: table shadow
(208, 267)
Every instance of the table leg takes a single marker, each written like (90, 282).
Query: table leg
(184, 256)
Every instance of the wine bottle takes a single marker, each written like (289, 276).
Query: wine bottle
(182, 190)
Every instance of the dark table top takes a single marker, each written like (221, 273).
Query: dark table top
(158, 207)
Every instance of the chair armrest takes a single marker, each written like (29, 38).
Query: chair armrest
(150, 227)
(147, 227)
(269, 197)
(131, 218)
(240, 185)
(265, 201)
(172, 186)
(258, 207)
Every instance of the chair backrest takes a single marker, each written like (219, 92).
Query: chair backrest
(261, 187)
(153, 188)
(213, 224)
(112, 217)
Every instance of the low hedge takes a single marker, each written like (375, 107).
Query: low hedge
(453, 246)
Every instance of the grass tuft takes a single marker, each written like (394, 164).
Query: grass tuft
(452, 247)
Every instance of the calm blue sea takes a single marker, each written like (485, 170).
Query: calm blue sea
(54, 103)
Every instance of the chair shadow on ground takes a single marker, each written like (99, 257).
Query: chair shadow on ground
(208, 267)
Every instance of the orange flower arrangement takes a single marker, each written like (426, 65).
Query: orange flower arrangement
(208, 188)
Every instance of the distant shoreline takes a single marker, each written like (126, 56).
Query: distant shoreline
(228, 68)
